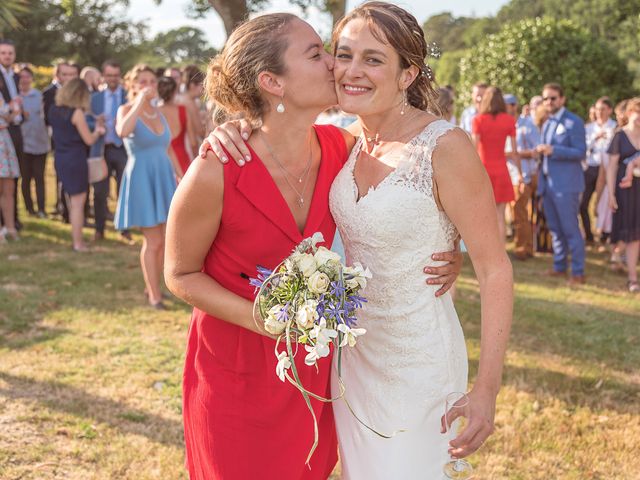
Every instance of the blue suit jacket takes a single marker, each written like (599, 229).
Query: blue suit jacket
(565, 164)
(97, 108)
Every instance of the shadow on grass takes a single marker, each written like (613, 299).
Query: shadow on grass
(19, 340)
(71, 400)
(575, 391)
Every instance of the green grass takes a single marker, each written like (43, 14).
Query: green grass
(90, 377)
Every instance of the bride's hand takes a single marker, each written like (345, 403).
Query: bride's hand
(231, 136)
(482, 410)
(447, 274)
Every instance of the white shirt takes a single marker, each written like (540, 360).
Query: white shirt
(11, 86)
(597, 147)
(550, 128)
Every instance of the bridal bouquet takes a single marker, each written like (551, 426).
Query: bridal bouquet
(310, 300)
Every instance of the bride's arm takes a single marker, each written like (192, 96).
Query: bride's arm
(462, 182)
(194, 219)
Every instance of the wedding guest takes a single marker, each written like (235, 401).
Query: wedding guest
(9, 171)
(91, 76)
(561, 181)
(192, 84)
(175, 73)
(36, 143)
(598, 137)
(624, 196)
(105, 104)
(11, 97)
(491, 129)
(447, 105)
(148, 182)
(527, 139)
(180, 126)
(468, 114)
(71, 135)
(63, 71)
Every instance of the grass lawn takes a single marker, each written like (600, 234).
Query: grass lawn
(90, 377)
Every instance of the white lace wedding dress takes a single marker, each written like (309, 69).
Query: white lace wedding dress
(413, 354)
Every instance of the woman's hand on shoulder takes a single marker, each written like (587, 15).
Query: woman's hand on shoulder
(229, 136)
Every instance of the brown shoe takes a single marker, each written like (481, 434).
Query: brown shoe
(555, 273)
(98, 236)
(577, 280)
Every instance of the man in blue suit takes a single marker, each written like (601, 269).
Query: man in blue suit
(561, 182)
(105, 104)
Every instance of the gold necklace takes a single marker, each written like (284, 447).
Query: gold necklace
(304, 175)
(373, 141)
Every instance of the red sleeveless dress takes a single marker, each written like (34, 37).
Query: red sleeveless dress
(177, 144)
(240, 421)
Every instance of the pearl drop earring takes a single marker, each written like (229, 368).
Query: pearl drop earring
(280, 106)
(404, 101)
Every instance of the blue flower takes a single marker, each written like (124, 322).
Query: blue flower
(337, 288)
(283, 314)
(356, 300)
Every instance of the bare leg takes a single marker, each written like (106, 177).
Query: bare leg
(502, 229)
(633, 249)
(150, 260)
(76, 217)
(7, 187)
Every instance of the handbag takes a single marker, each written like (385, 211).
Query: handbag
(98, 170)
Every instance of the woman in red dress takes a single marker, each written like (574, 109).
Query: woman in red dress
(491, 129)
(180, 125)
(241, 422)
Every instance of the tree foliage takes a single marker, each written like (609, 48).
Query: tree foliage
(87, 32)
(179, 46)
(232, 12)
(525, 55)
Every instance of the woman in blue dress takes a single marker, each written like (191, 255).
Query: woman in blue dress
(148, 182)
(72, 136)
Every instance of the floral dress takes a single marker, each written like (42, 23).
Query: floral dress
(8, 159)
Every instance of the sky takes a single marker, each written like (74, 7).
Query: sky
(171, 14)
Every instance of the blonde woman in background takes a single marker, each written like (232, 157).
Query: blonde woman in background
(148, 181)
(71, 136)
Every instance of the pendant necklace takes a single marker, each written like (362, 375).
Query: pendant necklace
(287, 174)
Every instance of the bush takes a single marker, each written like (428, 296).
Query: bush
(42, 77)
(523, 56)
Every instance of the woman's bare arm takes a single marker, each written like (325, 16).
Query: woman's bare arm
(462, 182)
(80, 122)
(194, 219)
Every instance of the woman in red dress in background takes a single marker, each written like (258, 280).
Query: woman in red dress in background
(491, 129)
(241, 422)
(180, 125)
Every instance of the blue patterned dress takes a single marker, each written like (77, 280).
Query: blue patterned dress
(148, 182)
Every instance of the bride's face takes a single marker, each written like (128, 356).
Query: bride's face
(367, 71)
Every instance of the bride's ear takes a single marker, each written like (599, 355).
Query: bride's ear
(408, 76)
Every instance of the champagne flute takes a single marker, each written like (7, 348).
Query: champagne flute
(456, 408)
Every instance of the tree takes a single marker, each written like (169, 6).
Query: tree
(525, 55)
(9, 9)
(87, 31)
(180, 46)
(233, 12)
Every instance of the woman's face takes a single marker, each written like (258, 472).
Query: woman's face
(634, 118)
(367, 71)
(308, 81)
(25, 82)
(146, 80)
(196, 89)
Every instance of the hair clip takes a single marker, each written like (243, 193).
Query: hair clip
(433, 50)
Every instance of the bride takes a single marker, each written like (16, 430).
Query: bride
(411, 183)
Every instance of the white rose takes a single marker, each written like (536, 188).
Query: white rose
(324, 256)
(318, 283)
(271, 323)
(306, 264)
(307, 314)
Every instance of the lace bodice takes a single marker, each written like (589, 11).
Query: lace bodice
(396, 226)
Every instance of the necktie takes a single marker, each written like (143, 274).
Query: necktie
(114, 113)
(547, 140)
